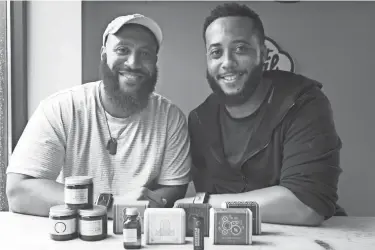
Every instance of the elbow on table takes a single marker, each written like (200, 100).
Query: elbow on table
(14, 198)
(312, 219)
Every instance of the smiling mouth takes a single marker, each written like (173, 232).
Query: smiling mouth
(130, 77)
(231, 77)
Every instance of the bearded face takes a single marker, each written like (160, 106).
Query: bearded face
(234, 59)
(128, 67)
(128, 99)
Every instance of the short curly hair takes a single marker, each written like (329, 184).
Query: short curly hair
(234, 9)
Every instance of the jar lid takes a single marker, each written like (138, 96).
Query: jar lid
(96, 210)
(131, 211)
(78, 180)
(61, 210)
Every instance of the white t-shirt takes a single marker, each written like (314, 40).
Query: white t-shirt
(67, 136)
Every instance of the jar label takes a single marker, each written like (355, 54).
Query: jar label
(130, 235)
(76, 196)
(90, 227)
(62, 227)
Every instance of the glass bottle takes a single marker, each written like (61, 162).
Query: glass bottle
(132, 229)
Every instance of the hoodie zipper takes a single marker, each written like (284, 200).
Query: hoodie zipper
(261, 149)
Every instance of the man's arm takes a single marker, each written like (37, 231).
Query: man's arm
(277, 205)
(36, 163)
(28, 195)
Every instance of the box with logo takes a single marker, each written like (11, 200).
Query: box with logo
(254, 207)
(202, 210)
(230, 226)
(119, 207)
(165, 226)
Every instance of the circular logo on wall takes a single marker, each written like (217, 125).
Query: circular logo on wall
(277, 59)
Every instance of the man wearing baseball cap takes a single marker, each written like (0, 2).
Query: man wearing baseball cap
(116, 130)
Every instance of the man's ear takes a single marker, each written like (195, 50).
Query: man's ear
(103, 53)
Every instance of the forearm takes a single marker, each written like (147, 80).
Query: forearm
(35, 196)
(171, 193)
(277, 205)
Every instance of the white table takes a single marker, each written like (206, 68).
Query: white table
(340, 233)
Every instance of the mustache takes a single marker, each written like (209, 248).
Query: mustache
(106, 73)
(254, 79)
(129, 70)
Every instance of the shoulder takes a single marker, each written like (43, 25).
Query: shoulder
(293, 88)
(67, 105)
(163, 106)
(289, 81)
(77, 93)
(207, 107)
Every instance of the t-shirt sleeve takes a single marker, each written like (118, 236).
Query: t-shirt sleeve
(40, 150)
(176, 165)
(311, 155)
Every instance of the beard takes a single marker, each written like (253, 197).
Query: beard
(129, 102)
(240, 98)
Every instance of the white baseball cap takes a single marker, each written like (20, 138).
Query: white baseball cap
(120, 21)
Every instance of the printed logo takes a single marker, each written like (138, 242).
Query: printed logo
(277, 59)
(165, 229)
(60, 227)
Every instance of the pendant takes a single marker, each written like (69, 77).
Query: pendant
(112, 146)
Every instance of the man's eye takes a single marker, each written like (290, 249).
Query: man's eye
(241, 49)
(145, 54)
(215, 53)
(122, 51)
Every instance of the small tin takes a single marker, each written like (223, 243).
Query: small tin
(254, 207)
(63, 223)
(78, 192)
(93, 223)
(198, 232)
(230, 226)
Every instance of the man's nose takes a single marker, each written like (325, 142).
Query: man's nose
(229, 61)
(133, 61)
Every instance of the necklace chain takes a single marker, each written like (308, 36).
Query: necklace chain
(105, 115)
(112, 142)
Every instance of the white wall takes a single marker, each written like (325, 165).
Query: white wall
(329, 41)
(54, 56)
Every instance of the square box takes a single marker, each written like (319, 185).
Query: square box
(165, 226)
(254, 207)
(230, 226)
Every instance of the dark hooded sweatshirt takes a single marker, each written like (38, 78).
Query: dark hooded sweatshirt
(292, 143)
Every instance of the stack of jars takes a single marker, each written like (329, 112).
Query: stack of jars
(79, 217)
